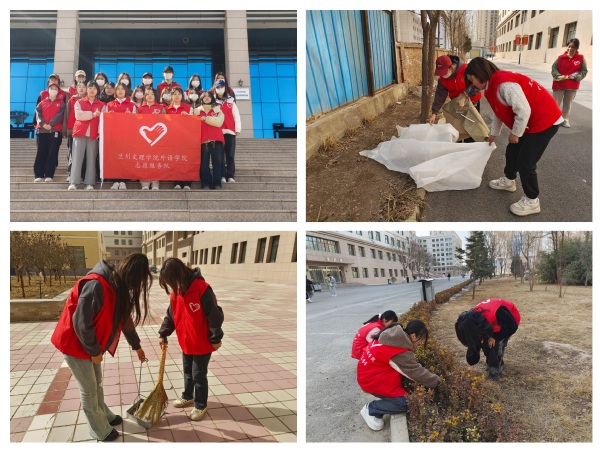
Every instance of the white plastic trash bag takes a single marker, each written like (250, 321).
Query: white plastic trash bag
(434, 165)
(425, 132)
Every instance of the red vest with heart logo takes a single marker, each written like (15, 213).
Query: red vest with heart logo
(568, 66)
(190, 321)
(81, 126)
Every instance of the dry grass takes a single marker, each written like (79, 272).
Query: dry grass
(547, 382)
(33, 291)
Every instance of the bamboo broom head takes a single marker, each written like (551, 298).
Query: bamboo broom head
(152, 408)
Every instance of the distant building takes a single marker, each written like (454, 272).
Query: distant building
(410, 30)
(89, 247)
(484, 23)
(442, 245)
(248, 255)
(120, 244)
(358, 257)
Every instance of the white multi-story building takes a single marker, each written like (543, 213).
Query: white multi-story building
(409, 28)
(358, 257)
(484, 23)
(120, 244)
(442, 246)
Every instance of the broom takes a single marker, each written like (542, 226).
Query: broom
(152, 408)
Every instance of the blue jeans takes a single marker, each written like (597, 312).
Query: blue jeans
(387, 405)
(211, 151)
(89, 377)
(195, 379)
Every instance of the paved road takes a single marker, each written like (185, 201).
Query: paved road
(564, 172)
(333, 398)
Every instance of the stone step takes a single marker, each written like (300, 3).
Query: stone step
(165, 186)
(162, 195)
(204, 204)
(155, 216)
(61, 177)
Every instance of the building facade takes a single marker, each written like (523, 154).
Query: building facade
(256, 49)
(410, 30)
(358, 257)
(249, 255)
(120, 244)
(89, 247)
(547, 34)
(484, 24)
(441, 245)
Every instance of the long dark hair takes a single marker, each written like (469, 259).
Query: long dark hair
(480, 68)
(387, 315)
(176, 275)
(417, 327)
(133, 280)
(471, 327)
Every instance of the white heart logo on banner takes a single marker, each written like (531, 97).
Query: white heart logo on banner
(194, 306)
(153, 134)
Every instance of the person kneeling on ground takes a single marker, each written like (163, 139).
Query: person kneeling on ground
(487, 327)
(382, 366)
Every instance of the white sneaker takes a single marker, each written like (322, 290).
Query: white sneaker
(89, 187)
(68, 179)
(525, 206)
(72, 187)
(182, 403)
(230, 180)
(145, 188)
(223, 180)
(566, 124)
(177, 187)
(37, 180)
(48, 179)
(155, 188)
(504, 184)
(122, 186)
(185, 188)
(374, 423)
(197, 414)
(115, 186)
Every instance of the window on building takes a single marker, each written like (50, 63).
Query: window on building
(376, 272)
(355, 272)
(533, 13)
(242, 258)
(394, 257)
(260, 250)
(130, 233)
(213, 256)
(361, 251)
(391, 272)
(295, 249)
(396, 272)
(122, 233)
(382, 272)
(123, 241)
(116, 242)
(201, 256)
(359, 233)
(378, 236)
(389, 256)
(219, 250)
(387, 239)
(273, 247)
(365, 272)
(234, 250)
(570, 32)
(351, 250)
(380, 254)
(115, 232)
(517, 20)
(538, 40)
(524, 17)
(322, 245)
(373, 253)
(553, 38)
(116, 252)
(130, 241)
(184, 255)
(370, 234)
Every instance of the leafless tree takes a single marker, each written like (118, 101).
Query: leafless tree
(429, 23)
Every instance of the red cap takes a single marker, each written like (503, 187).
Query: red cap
(441, 65)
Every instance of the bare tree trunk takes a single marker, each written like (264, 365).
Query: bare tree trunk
(429, 22)
(22, 284)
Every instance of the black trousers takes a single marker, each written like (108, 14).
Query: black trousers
(47, 154)
(195, 379)
(523, 156)
(228, 163)
(494, 357)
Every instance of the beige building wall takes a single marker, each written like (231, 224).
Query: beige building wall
(92, 243)
(219, 253)
(120, 244)
(543, 22)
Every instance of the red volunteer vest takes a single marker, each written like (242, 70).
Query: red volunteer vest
(164, 84)
(190, 322)
(544, 110)
(489, 307)
(568, 66)
(81, 126)
(374, 373)
(210, 133)
(229, 122)
(456, 85)
(72, 90)
(156, 108)
(182, 107)
(59, 96)
(360, 340)
(115, 106)
(71, 116)
(49, 110)
(64, 337)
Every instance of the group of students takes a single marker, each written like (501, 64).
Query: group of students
(530, 112)
(114, 299)
(76, 114)
(384, 350)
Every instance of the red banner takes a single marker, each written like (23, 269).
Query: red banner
(150, 147)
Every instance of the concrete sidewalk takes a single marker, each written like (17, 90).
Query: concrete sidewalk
(252, 377)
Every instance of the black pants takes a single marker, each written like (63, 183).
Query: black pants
(494, 357)
(523, 156)
(47, 154)
(195, 379)
(228, 164)
(211, 151)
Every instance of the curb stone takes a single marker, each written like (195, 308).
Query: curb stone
(398, 428)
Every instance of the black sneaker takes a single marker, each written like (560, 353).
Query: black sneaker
(118, 420)
(114, 434)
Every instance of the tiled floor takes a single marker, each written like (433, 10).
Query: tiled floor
(252, 378)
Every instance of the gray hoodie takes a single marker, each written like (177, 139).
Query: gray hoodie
(91, 300)
(405, 362)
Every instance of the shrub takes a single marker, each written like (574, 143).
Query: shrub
(444, 296)
(458, 409)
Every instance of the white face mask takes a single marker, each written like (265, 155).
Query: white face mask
(195, 83)
(168, 76)
(125, 81)
(139, 95)
(52, 93)
(193, 97)
(167, 97)
(220, 90)
(100, 82)
(147, 81)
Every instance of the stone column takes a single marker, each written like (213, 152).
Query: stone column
(66, 50)
(237, 62)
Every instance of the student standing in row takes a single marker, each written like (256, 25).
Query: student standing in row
(50, 113)
(232, 126)
(70, 123)
(150, 106)
(212, 142)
